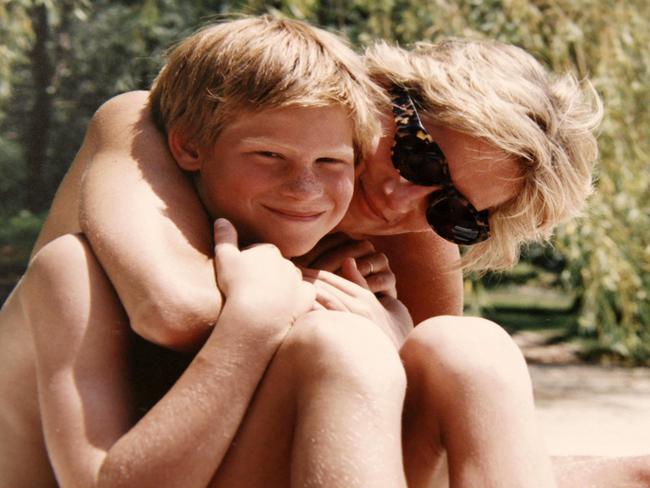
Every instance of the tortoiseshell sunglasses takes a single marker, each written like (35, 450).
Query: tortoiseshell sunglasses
(419, 160)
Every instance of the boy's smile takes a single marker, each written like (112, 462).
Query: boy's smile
(283, 176)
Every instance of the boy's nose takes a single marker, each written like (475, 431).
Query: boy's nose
(302, 183)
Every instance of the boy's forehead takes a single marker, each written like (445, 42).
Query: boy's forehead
(328, 126)
(258, 118)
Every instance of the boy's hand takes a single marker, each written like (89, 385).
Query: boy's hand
(332, 252)
(334, 292)
(259, 278)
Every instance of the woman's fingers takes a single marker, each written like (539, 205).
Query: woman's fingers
(329, 298)
(369, 264)
(359, 263)
(334, 292)
(338, 282)
(334, 258)
(350, 271)
(377, 275)
(383, 283)
(323, 246)
(330, 253)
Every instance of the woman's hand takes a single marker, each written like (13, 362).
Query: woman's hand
(259, 278)
(335, 292)
(331, 253)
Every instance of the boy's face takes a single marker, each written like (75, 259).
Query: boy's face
(283, 176)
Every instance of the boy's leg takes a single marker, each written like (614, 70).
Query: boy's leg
(23, 458)
(470, 397)
(80, 337)
(327, 413)
(330, 402)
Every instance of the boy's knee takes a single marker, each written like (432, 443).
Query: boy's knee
(346, 348)
(64, 250)
(62, 261)
(464, 351)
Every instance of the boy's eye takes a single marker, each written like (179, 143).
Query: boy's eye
(334, 161)
(269, 154)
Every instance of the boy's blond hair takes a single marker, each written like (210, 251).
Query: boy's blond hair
(500, 93)
(260, 63)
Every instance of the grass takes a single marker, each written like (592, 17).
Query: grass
(17, 236)
(548, 310)
(525, 307)
(516, 320)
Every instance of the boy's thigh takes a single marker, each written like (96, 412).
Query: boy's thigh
(260, 454)
(330, 351)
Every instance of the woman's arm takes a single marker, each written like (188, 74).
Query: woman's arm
(426, 267)
(148, 228)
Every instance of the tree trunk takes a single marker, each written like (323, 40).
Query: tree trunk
(37, 134)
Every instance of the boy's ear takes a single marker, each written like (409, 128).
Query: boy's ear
(185, 151)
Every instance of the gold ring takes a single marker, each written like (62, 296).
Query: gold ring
(372, 268)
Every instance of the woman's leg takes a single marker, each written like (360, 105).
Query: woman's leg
(327, 413)
(469, 399)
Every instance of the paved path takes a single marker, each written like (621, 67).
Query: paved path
(593, 410)
(586, 409)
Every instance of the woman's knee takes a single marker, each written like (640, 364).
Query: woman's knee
(466, 350)
(345, 348)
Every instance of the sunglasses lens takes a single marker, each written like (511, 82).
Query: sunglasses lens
(419, 162)
(452, 219)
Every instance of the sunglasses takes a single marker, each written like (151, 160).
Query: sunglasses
(419, 160)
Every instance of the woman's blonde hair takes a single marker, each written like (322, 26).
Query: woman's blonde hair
(260, 63)
(500, 93)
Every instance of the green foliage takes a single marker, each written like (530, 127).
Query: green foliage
(15, 38)
(20, 229)
(12, 175)
(608, 251)
(18, 233)
(103, 47)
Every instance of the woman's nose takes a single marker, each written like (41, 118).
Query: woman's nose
(402, 196)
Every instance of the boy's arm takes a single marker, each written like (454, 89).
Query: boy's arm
(148, 228)
(429, 281)
(82, 373)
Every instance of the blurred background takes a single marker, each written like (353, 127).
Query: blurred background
(587, 290)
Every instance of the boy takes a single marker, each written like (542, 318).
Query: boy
(268, 118)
